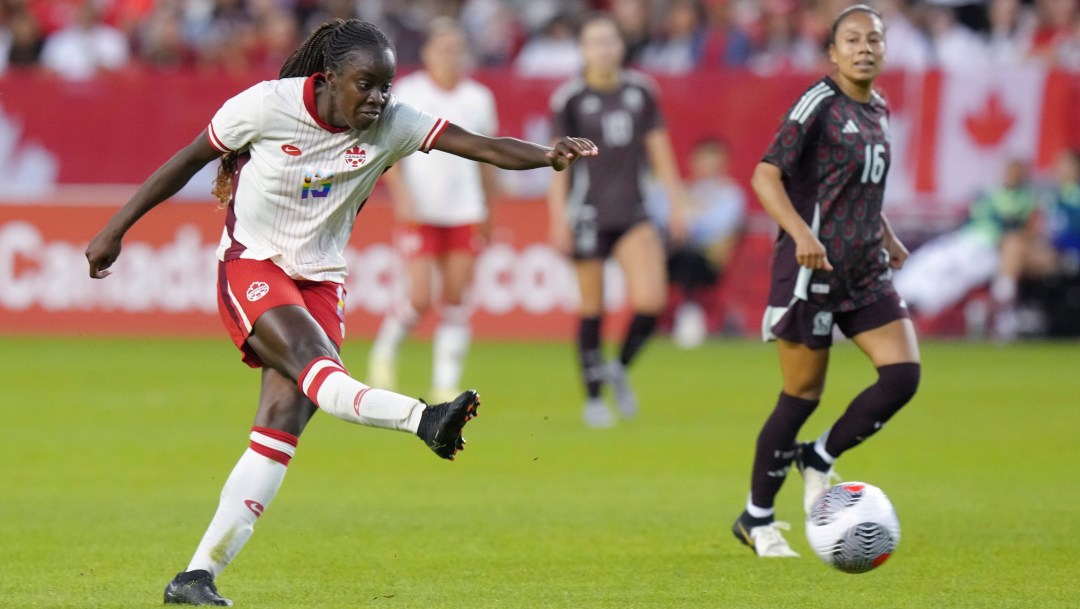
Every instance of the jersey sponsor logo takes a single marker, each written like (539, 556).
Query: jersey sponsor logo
(255, 507)
(257, 290)
(355, 156)
(290, 150)
(822, 323)
(819, 288)
(850, 127)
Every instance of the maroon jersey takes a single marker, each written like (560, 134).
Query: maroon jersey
(833, 153)
(605, 191)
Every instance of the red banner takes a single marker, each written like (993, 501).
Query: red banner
(951, 133)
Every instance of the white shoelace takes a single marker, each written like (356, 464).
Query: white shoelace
(769, 541)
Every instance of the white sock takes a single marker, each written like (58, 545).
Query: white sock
(395, 327)
(248, 491)
(1003, 289)
(326, 383)
(451, 344)
(758, 512)
(819, 448)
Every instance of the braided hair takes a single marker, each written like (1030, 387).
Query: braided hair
(324, 49)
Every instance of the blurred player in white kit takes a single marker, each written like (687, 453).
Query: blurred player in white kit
(441, 205)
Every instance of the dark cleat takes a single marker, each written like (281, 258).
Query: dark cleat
(194, 588)
(441, 425)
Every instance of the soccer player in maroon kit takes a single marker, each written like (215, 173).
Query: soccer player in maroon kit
(822, 180)
(598, 212)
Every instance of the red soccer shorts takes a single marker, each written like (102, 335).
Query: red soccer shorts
(249, 288)
(430, 240)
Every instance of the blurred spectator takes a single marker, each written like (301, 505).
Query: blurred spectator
(782, 46)
(230, 41)
(956, 47)
(492, 29)
(632, 17)
(277, 34)
(907, 47)
(1056, 293)
(327, 10)
(726, 44)
(1011, 29)
(992, 245)
(714, 213)
(20, 39)
(1055, 28)
(86, 46)
(1063, 214)
(678, 48)
(161, 42)
(552, 53)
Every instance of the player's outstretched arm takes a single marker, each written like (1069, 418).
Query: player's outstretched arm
(511, 153)
(104, 248)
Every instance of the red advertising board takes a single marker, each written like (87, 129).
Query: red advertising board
(165, 279)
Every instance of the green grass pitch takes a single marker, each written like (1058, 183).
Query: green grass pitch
(114, 452)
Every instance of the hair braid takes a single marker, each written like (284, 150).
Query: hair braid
(324, 49)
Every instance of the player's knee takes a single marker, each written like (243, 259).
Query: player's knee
(899, 382)
(420, 304)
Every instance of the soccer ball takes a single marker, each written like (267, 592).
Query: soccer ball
(853, 527)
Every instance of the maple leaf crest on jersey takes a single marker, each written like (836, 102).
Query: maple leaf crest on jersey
(355, 156)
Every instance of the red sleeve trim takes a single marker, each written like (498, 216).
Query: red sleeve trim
(215, 141)
(433, 135)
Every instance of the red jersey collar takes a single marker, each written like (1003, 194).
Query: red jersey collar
(312, 108)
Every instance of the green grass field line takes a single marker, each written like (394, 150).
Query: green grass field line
(114, 452)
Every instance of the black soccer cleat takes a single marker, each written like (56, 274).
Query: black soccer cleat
(194, 588)
(441, 425)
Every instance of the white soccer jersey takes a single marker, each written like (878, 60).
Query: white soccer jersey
(302, 181)
(446, 189)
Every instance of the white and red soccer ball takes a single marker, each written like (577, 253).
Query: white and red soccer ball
(853, 527)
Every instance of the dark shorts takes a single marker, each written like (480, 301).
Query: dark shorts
(592, 242)
(808, 325)
(249, 288)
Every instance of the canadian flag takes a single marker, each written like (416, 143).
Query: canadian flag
(981, 120)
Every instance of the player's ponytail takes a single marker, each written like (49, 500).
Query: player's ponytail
(324, 49)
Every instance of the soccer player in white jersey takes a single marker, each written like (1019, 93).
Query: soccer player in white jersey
(301, 155)
(440, 202)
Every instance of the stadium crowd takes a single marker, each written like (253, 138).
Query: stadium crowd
(77, 39)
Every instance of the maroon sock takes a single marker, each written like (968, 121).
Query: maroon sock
(776, 447)
(640, 329)
(869, 411)
(589, 356)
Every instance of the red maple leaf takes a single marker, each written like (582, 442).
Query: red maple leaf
(989, 126)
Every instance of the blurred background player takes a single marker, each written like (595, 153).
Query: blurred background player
(598, 211)
(714, 213)
(304, 151)
(823, 180)
(440, 202)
